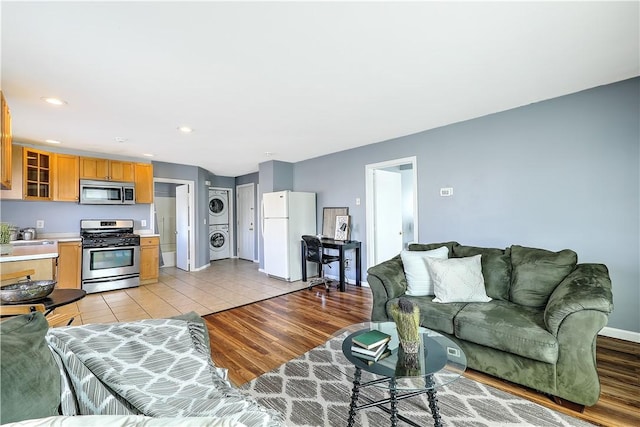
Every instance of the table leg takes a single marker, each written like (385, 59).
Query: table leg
(303, 258)
(342, 278)
(358, 265)
(433, 402)
(355, 392)
(393, 391)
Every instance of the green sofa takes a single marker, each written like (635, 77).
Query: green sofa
(540, 327)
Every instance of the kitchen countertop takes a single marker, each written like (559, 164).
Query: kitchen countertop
(25, 250)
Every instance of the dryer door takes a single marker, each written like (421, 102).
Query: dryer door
(218, 207)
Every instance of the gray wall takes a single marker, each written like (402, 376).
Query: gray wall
(557, 174)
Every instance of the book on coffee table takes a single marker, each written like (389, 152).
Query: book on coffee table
(373, 352)
(371, 339)
(370, 359)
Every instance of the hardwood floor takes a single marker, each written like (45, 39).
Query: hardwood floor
(256, 338)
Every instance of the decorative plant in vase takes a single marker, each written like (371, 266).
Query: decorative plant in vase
(408, 364)
(407, 318)
(5, 237)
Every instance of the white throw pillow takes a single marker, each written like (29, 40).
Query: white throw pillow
(415, 269)
(458, 279)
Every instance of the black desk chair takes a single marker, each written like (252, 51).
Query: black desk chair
(315, 253)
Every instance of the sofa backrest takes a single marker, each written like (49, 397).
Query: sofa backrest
(432, 246)
(525, 276)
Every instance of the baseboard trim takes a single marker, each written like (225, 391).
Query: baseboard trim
(620, 334)
(202, 267)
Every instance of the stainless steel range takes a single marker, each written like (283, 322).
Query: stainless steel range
(110, 255)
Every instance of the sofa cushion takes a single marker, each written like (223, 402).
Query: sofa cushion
(415, 269)
(433, 315)
(509, 327)
(496, 268)
(457, 279)
(29, 375)
(537, 272)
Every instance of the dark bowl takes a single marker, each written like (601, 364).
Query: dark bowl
(31, 290)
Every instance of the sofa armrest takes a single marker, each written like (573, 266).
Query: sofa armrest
(587, 287)
(387, 281)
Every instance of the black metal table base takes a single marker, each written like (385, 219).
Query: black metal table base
(393, 399)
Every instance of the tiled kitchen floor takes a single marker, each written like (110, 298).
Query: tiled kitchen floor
(225, 284)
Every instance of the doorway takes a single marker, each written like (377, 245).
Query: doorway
(172, 214)
(246, 213)
(391, 208)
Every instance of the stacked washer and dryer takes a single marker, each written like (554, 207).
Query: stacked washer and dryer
(219, 241)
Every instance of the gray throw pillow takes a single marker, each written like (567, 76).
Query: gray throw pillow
(537, 272)
(29, 376)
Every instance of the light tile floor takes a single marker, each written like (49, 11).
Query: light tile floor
(224, 284)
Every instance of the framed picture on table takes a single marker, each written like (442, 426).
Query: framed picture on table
(329, 220)
(342, 227)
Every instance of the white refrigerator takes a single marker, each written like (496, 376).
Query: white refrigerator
(286, 217)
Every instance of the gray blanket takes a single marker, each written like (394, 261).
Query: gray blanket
(155, 367)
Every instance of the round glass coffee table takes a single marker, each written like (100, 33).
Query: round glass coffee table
(439, 361)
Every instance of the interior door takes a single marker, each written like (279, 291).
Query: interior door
(245, 195)
(182, 227)
(387, 213)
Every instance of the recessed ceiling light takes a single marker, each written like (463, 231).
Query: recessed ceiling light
(185, 129)
(52, 141)
(53, 101)
(148, 155)
(120, 139)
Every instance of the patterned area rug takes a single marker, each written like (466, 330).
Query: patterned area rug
(311, 391)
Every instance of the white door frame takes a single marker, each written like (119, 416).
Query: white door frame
(255, 219)
(369, 198)
(192, 240)
(231, 202)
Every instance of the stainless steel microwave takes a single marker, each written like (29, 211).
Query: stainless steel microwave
(107, 192)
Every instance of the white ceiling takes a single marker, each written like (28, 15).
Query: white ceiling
(296, 79)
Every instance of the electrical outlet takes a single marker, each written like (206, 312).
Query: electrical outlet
(357, 201)
(143, 223)
(40, 223)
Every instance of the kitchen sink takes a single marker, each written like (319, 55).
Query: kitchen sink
(33, 242)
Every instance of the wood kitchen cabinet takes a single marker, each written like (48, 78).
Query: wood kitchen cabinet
(36, 174)
(5, 145)
(149, 260)
(44, 268)
(144, 182)
(106, 169)
(69, 265)
(66, 178)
